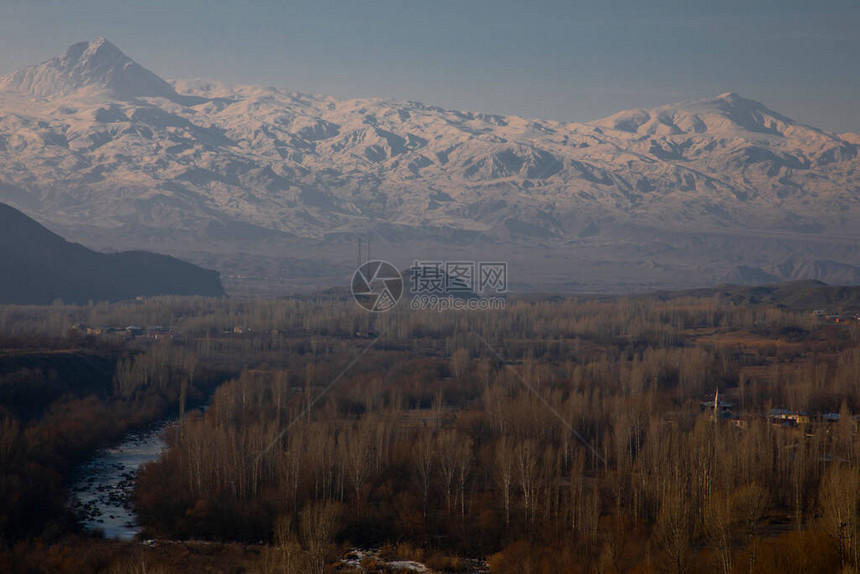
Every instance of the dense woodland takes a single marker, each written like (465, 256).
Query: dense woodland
(563, 435)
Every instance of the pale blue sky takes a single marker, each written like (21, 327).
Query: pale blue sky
(566, 60)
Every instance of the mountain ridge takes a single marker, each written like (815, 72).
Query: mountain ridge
(38, 266)
(207, 156)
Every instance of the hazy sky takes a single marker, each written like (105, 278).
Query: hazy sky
(565, 60)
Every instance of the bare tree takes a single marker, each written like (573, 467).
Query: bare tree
(289, 549)
(750, 502)
(446, 453)
(526, 466)
(462, 466)
(460, 362)
(318, 526)
(675, 527)
(839, 511)
(425, 457)
(356, 453)
(504, 473)
(718, 528)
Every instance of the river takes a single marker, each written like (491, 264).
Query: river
(102, 488)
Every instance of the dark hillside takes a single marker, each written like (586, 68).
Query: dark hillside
(794, 295)
(30, 381)
(38, 267)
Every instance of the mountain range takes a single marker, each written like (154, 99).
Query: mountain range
(264, 183)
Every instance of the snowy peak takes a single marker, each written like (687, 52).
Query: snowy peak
(96, 65)
(97, 52)
(750, 114)
(728, 114)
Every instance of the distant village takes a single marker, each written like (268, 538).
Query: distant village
(154, 332)
(129, 332)
(719, 409)
(833, 317)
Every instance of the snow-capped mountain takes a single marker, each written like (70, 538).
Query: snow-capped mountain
(92, 140)
(94, 65)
